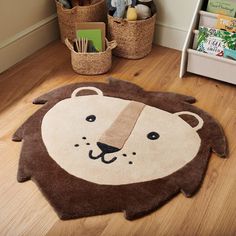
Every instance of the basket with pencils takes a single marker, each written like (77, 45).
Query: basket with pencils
(91, 63)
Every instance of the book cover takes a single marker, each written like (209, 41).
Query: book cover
(226, 23)
(223, 7)
(94, 32)
(214, 41)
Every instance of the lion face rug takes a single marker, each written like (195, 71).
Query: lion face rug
(97, 148)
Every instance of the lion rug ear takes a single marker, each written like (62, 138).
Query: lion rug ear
(98, 148)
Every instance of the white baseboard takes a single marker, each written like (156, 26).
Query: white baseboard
(170, 36)
(28, 41)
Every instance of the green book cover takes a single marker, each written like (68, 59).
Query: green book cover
(222, 7)
(94, 35)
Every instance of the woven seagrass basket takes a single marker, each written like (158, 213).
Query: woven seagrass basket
(68, 18)
(134, 38)
(91, 63)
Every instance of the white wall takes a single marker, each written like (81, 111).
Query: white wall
(173, 20)
(25, 26)
(28, 25)
(16, 16)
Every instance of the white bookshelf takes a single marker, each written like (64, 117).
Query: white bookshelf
(201, 63)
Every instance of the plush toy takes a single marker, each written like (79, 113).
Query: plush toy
(65, 3)
(120, 6)
(143, 11)
(148, 3)
(134, 3)
(132, 14)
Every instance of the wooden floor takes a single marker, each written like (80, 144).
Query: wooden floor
(23, 209)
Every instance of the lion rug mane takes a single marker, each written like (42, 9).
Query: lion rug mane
(98, 148)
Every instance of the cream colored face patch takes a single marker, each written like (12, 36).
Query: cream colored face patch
(108, 140)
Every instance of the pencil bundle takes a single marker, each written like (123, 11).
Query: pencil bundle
(81, 45)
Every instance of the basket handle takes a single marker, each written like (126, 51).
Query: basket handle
(112, 44)
(68, 44)
(74, 10)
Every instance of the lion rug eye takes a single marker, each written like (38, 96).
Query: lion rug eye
(153, 135)
(91, 118)
(94, 147)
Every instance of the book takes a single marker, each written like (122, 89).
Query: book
(94, 32)
(226, 23)
(230, 54)
(222, 7)
(214, 41)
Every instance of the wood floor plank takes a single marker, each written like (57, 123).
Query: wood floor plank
(23, 209)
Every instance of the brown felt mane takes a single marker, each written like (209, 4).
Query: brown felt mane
(72, 197)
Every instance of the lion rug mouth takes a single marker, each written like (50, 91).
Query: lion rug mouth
(116, 141)
(102, 157)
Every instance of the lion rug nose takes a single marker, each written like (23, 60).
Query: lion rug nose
(106, 148)
(120, 130)
(114, 138)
